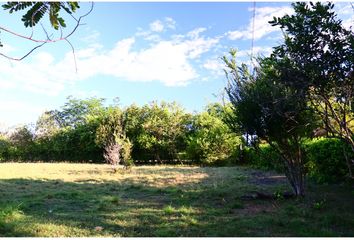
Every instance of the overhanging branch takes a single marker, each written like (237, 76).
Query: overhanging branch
(47, 40)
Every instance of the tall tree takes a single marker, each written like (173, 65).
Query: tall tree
(46, 125)
(265, 107)
(112, 137)
(318, 46)
(210, 138)
(76, 112)
(157, 129)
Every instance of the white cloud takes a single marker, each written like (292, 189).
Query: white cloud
(196, 32)
(36, 76)
(153, 38)
(167, 61)
(7, 48)
(345, 12)
(156, 26)
(349, 22)
(261, 25)
(234, 35)
(265, 14)
(170, 23)
(343, 8)
(215, 65)
(161, 25)
(16, 112)
(257, 50)
(13, 105)
(93, 36)
(3, 126)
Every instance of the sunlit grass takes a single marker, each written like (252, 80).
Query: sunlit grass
(76, 200)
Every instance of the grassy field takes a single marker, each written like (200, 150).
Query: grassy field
(73, 200)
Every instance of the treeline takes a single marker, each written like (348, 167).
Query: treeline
(156, 132)
(306, 83)
(160, 133)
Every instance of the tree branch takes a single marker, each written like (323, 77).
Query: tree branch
(48, 40)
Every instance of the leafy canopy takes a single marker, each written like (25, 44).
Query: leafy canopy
(37, 10)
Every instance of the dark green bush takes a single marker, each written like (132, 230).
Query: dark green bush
(263, 157)
(211, 142)
(325, 161)
(4, 146)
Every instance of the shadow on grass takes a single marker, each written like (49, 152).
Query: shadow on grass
(87, 209)
(126, 208)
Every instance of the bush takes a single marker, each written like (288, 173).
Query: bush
(211, 141)
(324, 159)
(263, 157)
(4, 147)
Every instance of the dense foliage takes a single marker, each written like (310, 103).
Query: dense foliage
(277, 113)
(321, 49)
(324, 163)
(88, 131)
(210, 138)
(307, 82)
(326, 159)
(37, 10)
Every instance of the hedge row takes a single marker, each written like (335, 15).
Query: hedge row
(325, 160)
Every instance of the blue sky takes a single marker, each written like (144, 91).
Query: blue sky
(138, 52)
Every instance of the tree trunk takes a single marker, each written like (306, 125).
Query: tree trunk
(295, 171)
(158, 158)
(293, 161)
(296, 178)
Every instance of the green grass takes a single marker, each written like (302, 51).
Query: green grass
(76, 200)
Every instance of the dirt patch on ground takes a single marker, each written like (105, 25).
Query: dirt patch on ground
(252, 208)
(266, 178)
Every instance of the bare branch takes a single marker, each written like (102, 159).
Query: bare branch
(45, 31)
(73, 50)
(48, 40)
(24, 56)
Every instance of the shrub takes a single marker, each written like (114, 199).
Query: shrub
(325, 159)
(211, 141)
(4, 148)
(263, 157)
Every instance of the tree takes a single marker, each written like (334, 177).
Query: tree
(163, 127)
(265, 107)
(35, 12)
(111, 136)
(46, 126)
(4, 147)
(22, 136)
(76, 112)
(319, 47)
(210, 138)
(69, 133)
(22, 142)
